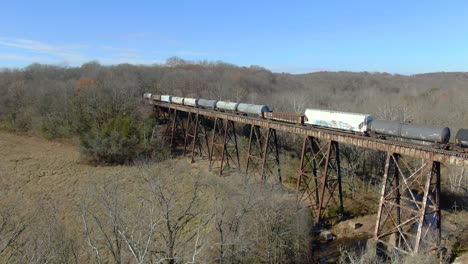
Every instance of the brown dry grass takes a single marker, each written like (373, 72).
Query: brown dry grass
(35, 171)
(47, 176)
(37, 174)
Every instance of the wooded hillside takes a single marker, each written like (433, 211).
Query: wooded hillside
(91, 101)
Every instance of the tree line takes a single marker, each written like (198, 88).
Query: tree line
(102, 107)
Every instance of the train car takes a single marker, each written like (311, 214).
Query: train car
(156, 97)
(191, 102)
(177, 100)
(147, 96)
(409, 131)
(207, 104)
(166, 98)
(251, 109)
(227, 106)
(340, 120)
(285, 117)
(461, 139)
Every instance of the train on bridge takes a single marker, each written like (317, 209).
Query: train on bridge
(318, 181)
(363, 124)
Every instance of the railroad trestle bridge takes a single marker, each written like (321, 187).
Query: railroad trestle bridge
(409, 214)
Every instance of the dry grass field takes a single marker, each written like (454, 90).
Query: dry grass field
(45, 181)
(45, 188)
(35, 170)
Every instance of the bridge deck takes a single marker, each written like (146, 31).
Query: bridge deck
(403, 148)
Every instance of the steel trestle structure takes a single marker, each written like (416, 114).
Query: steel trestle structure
(319, 178)
(224, 151)
(175, 126)
(409, 208)
(409, 216)
(196, 137)
(262, 154)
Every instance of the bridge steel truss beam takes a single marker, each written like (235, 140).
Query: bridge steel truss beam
(175, 126)
(160, 115)
(223, 148)
(262, 154)
(196, 137)
(319, 178)
(408, 217)
(171, 124)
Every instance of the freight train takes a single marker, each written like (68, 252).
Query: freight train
(363, 124)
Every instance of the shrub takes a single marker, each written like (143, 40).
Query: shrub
(116, 141)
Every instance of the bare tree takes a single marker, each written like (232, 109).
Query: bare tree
(102, 224)
(138, 230)
(179, 208)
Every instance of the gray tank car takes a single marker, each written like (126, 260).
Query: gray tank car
(251, 109)
(409, 131)
(227, 106)
(207, 104)
(461, 139)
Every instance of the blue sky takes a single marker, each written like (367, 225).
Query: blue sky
(404, 37)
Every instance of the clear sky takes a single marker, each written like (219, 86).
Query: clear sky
(285, 36)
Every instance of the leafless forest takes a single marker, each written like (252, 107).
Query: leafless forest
(183, 215)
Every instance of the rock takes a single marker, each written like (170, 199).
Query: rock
(354, 225)
(328, 236)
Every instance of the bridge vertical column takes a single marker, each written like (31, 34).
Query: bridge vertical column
(168, 125)
(158, 113)
(319, 179)
(223, 147)
(174, 127)
(195, 136)
(408, 217)
(263, 154)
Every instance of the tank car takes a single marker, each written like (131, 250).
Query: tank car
(166, 98)
(147, 96)
(410, 131)
(251, 109)
(207, 104)
(340, 120)
(191, 102)
(461, 139)
(177, 100)
(227, 106)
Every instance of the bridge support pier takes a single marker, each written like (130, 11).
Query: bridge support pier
(159, 114)
(223, 147)
(196, 137)
(319, 179)
(408, 217)
(262, 154)
(175, 127)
